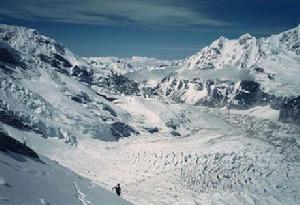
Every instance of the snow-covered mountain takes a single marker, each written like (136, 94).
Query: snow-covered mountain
(242, 73)
(47, 89)
(274, 61)
(125, 65)
(154, 126)
(247, 51)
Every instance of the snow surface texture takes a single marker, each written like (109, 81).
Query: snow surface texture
(28, 182)
(48, 89)
(232, 159)
(97, 117)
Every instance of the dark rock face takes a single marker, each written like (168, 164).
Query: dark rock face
(7, 36)
(5, 69)
(9, 118)
(290, 110)
(110, 110)
(7, 57)
(81, 98)
(9, 144)
(76, 99)
(234, 94)
(242, 94)
(250, 94)
(259, 70)
(83, 74)
(149, 92)
(120, 130)
(124, 85)
(175, 134)
(45, 58)
(217, 93)
(110, 99)
(62, 61)
(171, 124)
(56, 64)
(120, 84)
(152, 129)
(62, 65)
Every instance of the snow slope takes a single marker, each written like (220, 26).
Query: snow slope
(241, 74)
(29, 179)
(28, 182)
(53, 92)
(274, 60)
(219, 157)
(112, 128)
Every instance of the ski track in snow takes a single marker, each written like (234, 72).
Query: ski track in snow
(80, 195)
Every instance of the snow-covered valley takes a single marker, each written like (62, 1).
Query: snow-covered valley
(180, 136)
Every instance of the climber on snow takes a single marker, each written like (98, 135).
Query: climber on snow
(118, 189)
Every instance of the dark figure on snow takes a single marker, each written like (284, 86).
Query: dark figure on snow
(118, 189)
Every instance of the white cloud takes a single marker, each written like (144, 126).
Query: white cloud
(107, 12)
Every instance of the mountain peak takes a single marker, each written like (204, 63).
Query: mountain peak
(31, 42)
(219, 41)
(245, 36)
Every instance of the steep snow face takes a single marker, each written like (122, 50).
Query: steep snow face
(274, 60)
(241, 53)
(242, 73)
(30, 42)
(245, 51)
(47, 89)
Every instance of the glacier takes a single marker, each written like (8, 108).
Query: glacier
(219, 127)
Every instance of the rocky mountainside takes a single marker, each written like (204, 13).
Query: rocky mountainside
(246, 52)
(48, 90)
(242, 73)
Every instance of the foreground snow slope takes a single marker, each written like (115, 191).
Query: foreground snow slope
(40, 181)
(28, 182)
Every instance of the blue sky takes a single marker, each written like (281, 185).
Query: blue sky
(169, 29)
